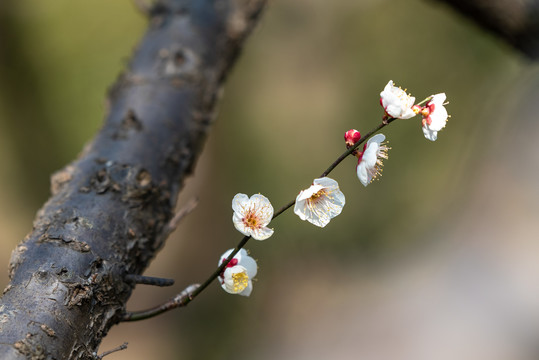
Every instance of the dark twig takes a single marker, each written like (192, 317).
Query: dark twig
(119, 348)
(177, 301)
(148, 280)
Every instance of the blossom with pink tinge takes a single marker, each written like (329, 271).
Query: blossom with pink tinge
(320, 203)
(370, 164)
(237, 276)
(396, 102)
(434, 116)
(252, 215)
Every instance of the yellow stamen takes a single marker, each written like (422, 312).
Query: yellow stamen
(240, 281)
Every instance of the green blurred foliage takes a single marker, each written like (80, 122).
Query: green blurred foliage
(311, 71)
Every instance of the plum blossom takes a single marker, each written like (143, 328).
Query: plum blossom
(252, 215)
(434, 116)
(370, 164)
(396, 102)
(238, 273)
(321, 202)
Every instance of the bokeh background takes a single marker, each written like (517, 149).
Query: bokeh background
(438, 260)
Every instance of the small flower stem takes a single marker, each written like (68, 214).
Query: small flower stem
(184, 298)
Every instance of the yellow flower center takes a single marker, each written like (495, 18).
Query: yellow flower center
(240, 281)
(316, 196)
(251, 219)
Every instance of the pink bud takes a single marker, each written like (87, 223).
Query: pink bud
(351, 137)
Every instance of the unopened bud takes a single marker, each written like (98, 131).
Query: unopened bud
(351, 137)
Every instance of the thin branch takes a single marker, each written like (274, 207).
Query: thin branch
(119, 348)
(182, 299)
(177, 301)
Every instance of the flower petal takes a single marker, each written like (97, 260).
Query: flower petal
(249, 264)
(300, 208)
(430, 134)
(326, 182)
(248, 290)
(239, 225)
(239, 202)
(307, 193)
(362, 173)
(378, 138)
(261, 233)
(263, 206)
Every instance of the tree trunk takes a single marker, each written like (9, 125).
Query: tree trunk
(109, 209)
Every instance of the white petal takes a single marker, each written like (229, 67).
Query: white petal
(240, 226)
(326, 182)
(300, 208)
(239, 202)
(247, 290)
(331, 209)
(438, 99)
(362, 173)
(370, 155)
(263, 206)
(241, 254)
(249, 264)
(438, 118)
(430, 134)
(320, 221)
(307, 193)
(338, 198)
(378, 138)
(408, 113)
(262, 233)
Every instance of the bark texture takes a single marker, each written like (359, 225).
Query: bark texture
(515, 21)
(109, 209)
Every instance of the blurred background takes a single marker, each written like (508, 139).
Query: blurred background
(437, 260)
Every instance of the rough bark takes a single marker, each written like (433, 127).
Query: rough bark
(109, 209)
(515, 21)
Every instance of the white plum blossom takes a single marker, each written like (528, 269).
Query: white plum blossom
(252, 215)
(434, 116)
(396, 102)
(237, 276)
(321, 202)
(370, 164)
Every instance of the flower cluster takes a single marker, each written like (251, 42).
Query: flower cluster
(399, 105)
(323, 200)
